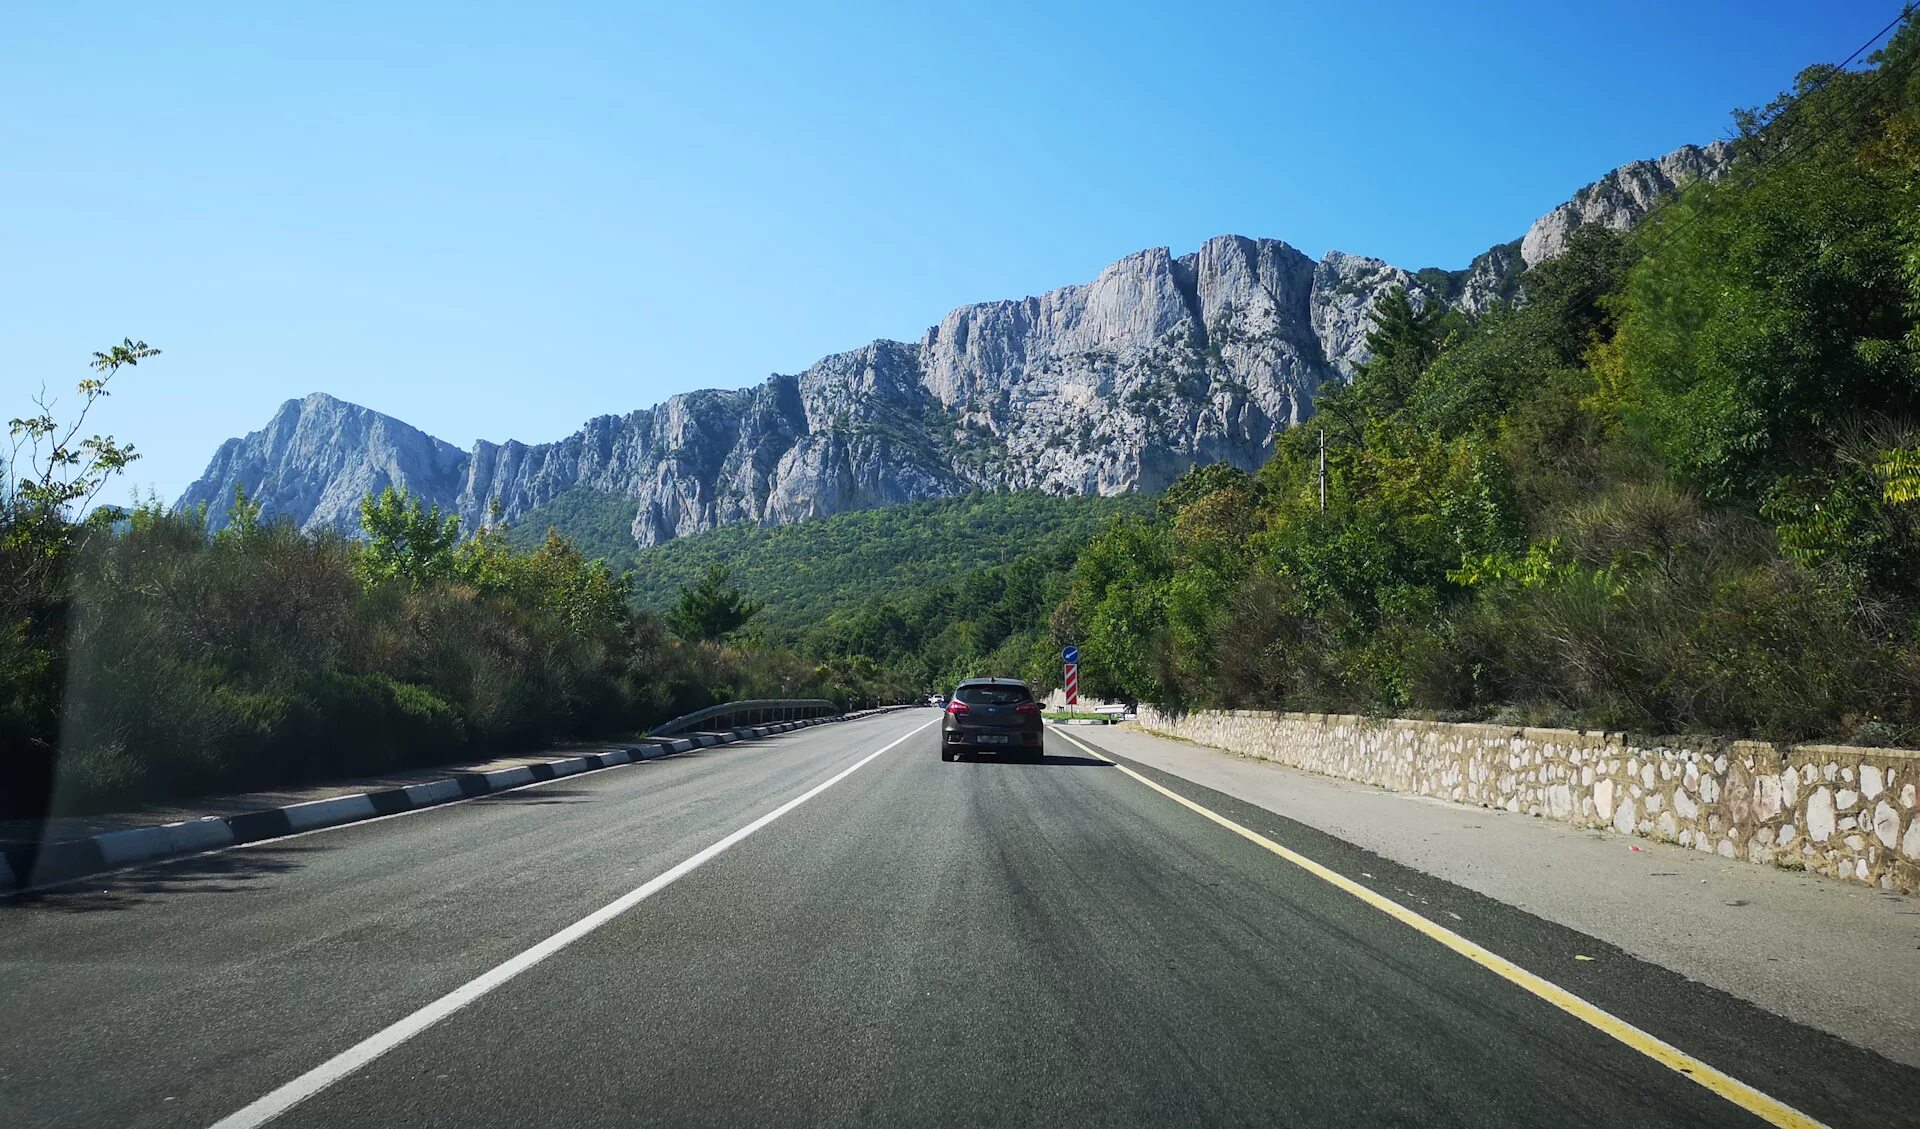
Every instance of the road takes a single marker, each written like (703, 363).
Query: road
(904, 941)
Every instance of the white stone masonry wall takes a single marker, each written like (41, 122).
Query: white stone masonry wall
(1838, 810)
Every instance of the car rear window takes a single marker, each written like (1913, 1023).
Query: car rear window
(993, 695)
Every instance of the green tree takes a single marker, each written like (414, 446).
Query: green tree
(1403, 341)
(584, 593)
(407, 541)
(711, 608)
(1405, 333)
(243, 517)
(1116, 610)
(1200, 480)
(1771, 315)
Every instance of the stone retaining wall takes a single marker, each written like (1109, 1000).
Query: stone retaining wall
(1837, 810)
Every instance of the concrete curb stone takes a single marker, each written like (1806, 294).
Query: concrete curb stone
(132, 845)
(327, 813)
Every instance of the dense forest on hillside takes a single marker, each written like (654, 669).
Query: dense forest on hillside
(986, 621)
(928, 592)
(598, 523)
(1677, 489)
(816, 572)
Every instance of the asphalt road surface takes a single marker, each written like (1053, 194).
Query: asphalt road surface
(800, 931)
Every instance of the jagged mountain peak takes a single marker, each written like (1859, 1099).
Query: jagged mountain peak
(317, 457)
(1115, 384)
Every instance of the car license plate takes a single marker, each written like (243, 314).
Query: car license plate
(992, 739)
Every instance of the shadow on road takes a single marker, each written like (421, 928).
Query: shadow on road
(1047, 759)
(229, 872)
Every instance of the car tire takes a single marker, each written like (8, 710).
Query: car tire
(946, 754)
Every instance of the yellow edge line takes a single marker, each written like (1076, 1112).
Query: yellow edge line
(1769, 1109)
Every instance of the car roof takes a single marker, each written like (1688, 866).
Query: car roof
(991, 682)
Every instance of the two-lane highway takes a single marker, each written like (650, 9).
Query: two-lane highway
(834, 926)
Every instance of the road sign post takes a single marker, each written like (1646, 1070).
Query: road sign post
(1070, 659)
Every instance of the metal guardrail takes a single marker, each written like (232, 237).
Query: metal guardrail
(754, 711)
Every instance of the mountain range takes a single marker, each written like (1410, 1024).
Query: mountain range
(1106, 387)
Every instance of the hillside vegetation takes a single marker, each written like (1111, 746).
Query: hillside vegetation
(599, 523)
(987, 621)
(1677, 489)
(817, 572)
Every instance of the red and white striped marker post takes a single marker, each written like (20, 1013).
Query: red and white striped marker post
(1070, 657)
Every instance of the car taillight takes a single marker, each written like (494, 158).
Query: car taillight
(1027, 707)
(956, 706)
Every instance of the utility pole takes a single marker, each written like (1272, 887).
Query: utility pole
(1323, 470)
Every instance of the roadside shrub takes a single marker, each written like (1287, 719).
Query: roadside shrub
(264, 656)
(1765, 650)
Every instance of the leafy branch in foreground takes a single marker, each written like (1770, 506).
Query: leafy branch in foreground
(61, 469)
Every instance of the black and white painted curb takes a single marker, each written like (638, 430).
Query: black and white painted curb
(45, 864)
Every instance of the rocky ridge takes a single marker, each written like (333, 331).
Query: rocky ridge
(1618, 199)
(1114, 385)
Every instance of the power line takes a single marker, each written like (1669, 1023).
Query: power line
(1891, 24)
(1794, 146)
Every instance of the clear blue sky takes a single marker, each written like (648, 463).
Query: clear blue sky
(499, 220)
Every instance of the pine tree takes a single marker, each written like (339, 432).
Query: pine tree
(711, 608)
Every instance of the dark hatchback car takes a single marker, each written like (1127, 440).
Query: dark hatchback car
(991, 715)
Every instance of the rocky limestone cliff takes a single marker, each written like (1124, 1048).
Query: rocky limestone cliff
(1118, 384)
(318, 457)
(1620, 198)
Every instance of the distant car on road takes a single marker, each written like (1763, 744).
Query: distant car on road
(992, 715)
(937, 701)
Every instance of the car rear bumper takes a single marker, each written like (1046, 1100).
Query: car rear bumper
(989, 739)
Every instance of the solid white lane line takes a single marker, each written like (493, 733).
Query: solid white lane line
(353, 1058)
